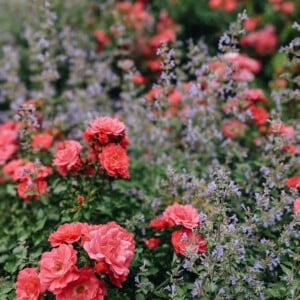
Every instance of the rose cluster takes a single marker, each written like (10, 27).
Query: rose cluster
(8, 141)
(141, 36)
(185, 239)
(30, 177)
(110, 249)
(227, 5)
(107, 142)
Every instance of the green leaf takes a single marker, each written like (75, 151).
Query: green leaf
(6, 287)
(140, 297)
(11, 266)
(59, 189)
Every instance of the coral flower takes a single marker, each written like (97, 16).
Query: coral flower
(297, 206)
(293, 182)
(67, 233)
(67, 158)
(32, 189)
(115, 161)
(114, 246)
(10, 168)
(185, 241)
(259, 114)
(58, 268)
(28, 285)
(234, 129)
(158, 223)
(86, 287)
(185, 215)
(42, 141)
(104, 130)
(152, 242)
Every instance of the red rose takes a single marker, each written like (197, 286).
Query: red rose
(185, 241)
(293, 182)
(158, 223)
(152, 242)
(259, 114)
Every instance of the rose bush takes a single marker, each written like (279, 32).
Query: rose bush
(148, 151)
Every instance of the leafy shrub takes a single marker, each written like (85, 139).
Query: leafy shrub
(189, 171)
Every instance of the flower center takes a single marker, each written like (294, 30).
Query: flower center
(80, 289)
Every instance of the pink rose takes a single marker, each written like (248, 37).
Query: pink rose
(228, 5)
(185, 215)
(6, 152)
(8, 141)
(67, 157)
(10, 168)
(297, 206)
(234, 129)
(253, 95)
(280, 128)
(114, 246)
(175, 97)
(28, 285)
(58, 268)
(8, 133)
(264, 41)
(86, 287)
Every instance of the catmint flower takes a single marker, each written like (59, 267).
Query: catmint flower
(247, 230)
(233, 280)
(263, 241)
(224, 41)
(196, 291)
(202, 217)
(218, 252)
(211, 187)
(261, 297)
(234, 188)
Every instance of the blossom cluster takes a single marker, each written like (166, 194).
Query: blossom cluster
(215, 155)
(185, 239)
(110, 249)
(107, 155)
(8, 138)
(107, 142)
(140, 36)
